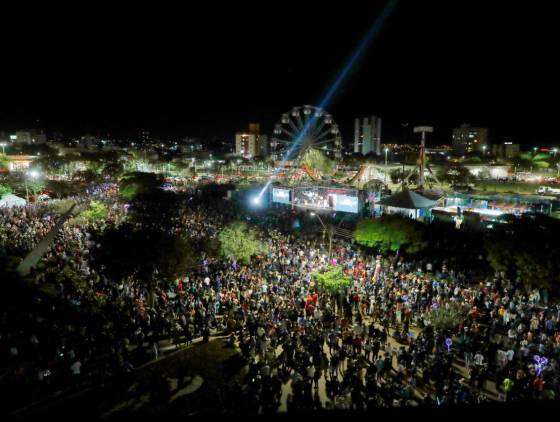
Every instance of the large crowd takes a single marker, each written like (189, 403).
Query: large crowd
(370, 347)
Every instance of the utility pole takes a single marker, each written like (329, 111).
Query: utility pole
(385, 176)
(330, 242)
(331, 230)
(402, 178)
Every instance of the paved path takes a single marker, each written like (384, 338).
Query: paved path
(489, 386)
(33, 258)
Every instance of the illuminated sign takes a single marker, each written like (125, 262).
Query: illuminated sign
(345, 203)
(281, 196)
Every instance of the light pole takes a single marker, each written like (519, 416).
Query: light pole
(385, 175)
(33, 174)
(3, 145)
(483, 152)
(313, 214)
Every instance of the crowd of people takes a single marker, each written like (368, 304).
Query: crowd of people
(370, 346)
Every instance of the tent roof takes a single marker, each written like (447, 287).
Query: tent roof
(408, 199)
(11, 200)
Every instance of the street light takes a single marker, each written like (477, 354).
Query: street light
(33, 174)
(313, 214)
(3, 145)
(385, 175)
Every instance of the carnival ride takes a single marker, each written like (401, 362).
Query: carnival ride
(303, 128)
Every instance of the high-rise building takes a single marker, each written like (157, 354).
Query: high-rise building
(367, 135)
(30, 137)
(469, 139)
(251, 143)
(506, 150)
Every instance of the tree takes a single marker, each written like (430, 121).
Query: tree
(4, 161)
(473, 159)
(355, 159)
(87, 176)
(391, 233)
(316, 160)
(61, 188)
(4, 189)
(125, 251)
(182, 167)
(333, 283)
(136, 183)
(239, 242)
(211, 247)
(454, 174)
(447, 317)
(34, 186)
(113, 169)
(529, 160)
(95, 212)
(527, 251)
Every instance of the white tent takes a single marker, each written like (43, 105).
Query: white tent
(10, 200)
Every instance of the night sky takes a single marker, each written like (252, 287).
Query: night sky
(209, 71)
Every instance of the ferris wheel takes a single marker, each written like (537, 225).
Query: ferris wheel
(303, 128)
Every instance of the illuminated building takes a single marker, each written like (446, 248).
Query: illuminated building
(251, 143)
(469, 139)
(367, 135)
(506, 150)
(29, 137)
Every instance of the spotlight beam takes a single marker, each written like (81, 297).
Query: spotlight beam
(329, 95)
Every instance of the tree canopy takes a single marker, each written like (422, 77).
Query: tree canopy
(4, 161)
(317, 161)
(95, 212)
(62, 188)
(137, 183)
(332, 281)
(391, 233)
(448, 317)
(238, 241)
(4, 189)
(125, 251)
(527, 251)
(454, 174)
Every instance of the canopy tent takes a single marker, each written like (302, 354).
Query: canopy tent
(409, 200)
(10, 200)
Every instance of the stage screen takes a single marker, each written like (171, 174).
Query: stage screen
(345, 203)
(281, 196)
(334, 199)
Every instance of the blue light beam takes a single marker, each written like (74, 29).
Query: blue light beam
(329, 95)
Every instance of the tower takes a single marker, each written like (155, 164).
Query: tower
(422, 156)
